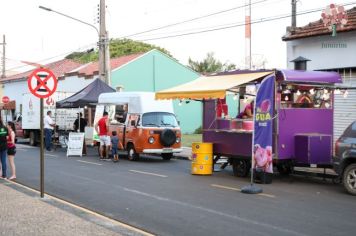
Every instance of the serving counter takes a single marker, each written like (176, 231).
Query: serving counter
(230, 137)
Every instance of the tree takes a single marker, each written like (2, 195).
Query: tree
(210, 65)
(118, 47)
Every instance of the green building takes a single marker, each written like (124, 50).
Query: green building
(154, 71)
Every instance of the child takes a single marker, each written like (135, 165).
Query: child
(114, 146)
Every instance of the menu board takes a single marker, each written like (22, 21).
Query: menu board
(75, 144)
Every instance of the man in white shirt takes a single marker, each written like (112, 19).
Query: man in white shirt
(48, 129)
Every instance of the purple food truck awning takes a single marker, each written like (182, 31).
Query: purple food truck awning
(309, 76)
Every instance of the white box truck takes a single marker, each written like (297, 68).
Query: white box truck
(28, 123)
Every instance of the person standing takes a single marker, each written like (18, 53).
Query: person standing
(80, 123)
(48, 129)
(11, 148)
(79, 126)
(248, 112)
(3, 148)
(115, 146)
(101, 127)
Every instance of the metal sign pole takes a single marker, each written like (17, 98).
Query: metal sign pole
(41, 150)
(42, 83)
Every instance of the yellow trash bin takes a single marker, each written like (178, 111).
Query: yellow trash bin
(202, 158)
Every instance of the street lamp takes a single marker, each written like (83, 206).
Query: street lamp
(62, 14)
(104, 66)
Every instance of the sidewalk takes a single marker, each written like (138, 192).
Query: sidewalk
(23, 212)
(185, 154)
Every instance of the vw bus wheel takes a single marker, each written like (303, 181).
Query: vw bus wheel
(349, 179)
(131, 153)
(240, 168)
(167, 156)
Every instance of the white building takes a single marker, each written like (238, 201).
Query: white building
(315, 46)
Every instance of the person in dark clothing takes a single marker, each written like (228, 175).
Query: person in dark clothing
(3, 148)
(80, 123)
(11, 148)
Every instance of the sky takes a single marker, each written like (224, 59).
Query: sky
(40, 36)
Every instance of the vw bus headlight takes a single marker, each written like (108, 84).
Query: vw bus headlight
(151, 140)
(178, 140)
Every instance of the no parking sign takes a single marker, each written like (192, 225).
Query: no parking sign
(42, 83)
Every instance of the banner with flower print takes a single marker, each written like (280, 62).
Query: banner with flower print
(263, 132)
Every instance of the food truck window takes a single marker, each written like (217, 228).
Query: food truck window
(121, 113)
(110, 109)
(133, 119)
(306, 97)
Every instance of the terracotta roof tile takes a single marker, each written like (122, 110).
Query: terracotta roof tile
(93, 68)
(59, 68)
(317, 28)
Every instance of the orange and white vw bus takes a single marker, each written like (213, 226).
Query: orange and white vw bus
(143, 124)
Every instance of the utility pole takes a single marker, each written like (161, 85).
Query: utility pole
(294, 14)
(104, 53)
(3, 75)
(248, 56)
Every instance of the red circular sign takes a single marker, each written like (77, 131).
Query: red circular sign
(5, 99)
(42, 83)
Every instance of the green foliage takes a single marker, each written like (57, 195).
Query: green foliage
(188, 139)
(198, 130)
(118, 47)
(210, 65)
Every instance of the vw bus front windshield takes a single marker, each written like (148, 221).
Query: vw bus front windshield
(159, 119)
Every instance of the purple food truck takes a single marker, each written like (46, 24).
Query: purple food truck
(302, 127)
(302, 113)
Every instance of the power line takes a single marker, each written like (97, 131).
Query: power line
(261, 20)
(194, 19)
(50, 58)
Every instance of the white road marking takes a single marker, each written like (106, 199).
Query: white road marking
(225, 187)
(190, 206)
(239, 218)
(88, 162)
(267, 195)
(237, 189)
(25, 146)
(50, 155)
(148, 173)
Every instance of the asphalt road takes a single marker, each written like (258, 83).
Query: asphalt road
(162, 197)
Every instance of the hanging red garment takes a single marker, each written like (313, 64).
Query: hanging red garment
(221, 108)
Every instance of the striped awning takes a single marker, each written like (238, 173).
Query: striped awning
(209, 87)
